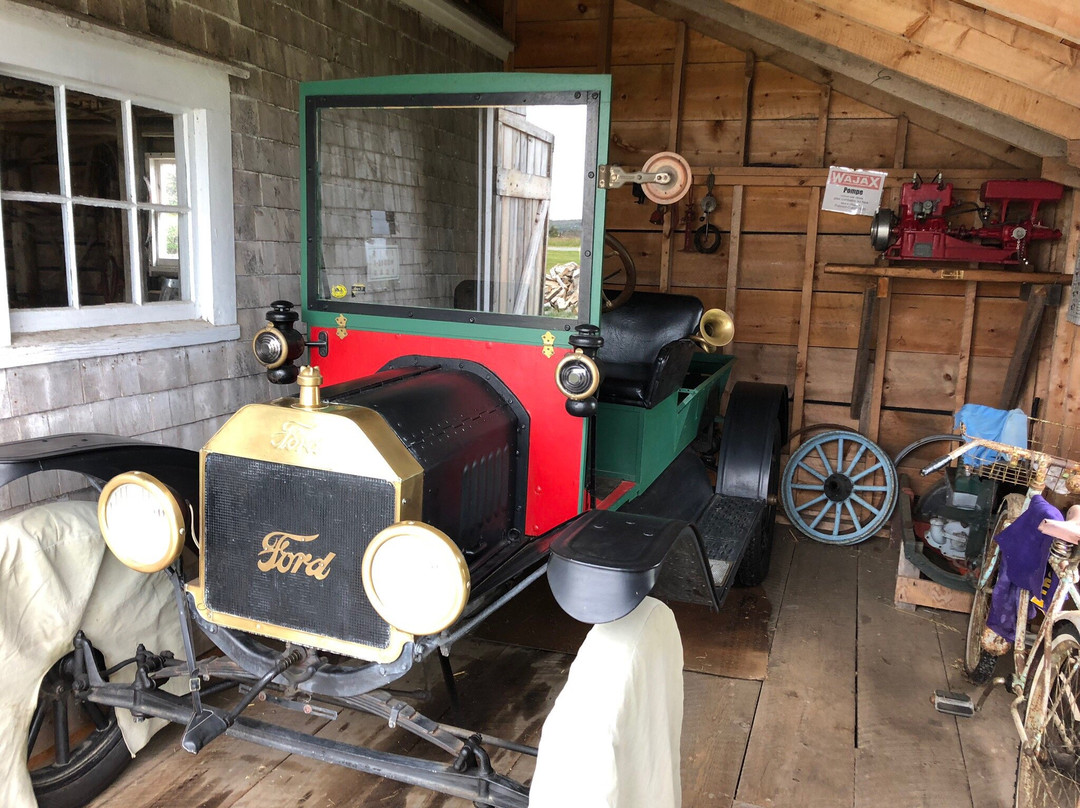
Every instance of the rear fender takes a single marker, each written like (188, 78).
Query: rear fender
(604, 563)
(102, 457)
(755, 426)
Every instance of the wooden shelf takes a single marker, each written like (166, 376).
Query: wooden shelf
(927, 273)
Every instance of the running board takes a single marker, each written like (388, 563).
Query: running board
(726, 526)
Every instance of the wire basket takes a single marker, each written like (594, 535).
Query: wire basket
(1049, 442)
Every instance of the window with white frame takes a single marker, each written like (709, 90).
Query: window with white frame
(115, 188)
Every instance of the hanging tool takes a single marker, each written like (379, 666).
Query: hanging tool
(658, 215)
(707, 237)
(688, 224)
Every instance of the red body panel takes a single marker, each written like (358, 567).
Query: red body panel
(555, 437)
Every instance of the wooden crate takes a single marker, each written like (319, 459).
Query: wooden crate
(913, 590)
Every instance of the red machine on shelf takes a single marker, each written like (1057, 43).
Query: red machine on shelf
(922, 231)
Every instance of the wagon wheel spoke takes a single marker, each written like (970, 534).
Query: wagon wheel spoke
(852, 514)
(855, 460)
(836, 521)
(825, 460)
(839, 453)
(878, 488)
(814, 472)
(806, 505)
(870, 470)
(806, 487)
(820, 516)
(875, 511)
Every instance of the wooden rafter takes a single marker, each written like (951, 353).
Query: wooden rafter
(899, 55)
(1030, 59)
(1054, 17)
(995, 133)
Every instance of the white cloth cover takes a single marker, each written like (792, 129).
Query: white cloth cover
(56, 577)
(612, 738)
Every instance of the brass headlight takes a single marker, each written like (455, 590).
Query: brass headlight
(142, 521)
(577, 376)
(416, 578)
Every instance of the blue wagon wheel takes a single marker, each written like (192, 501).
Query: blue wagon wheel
(839, 487)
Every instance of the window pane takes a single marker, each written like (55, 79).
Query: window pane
(476, 208)
(155, 140)
(95, 136)
(100, 235)
(159, 236)
(33, 250)
(28, 159)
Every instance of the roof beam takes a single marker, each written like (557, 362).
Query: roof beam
(869, 54)
(1016, 55)
(1058, 18)
(945, 114)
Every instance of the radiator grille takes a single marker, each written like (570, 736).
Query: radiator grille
(249, 500)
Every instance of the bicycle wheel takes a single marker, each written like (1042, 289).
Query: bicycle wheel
(978, 663)
(1048, 772)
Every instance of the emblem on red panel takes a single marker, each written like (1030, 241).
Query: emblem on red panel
(549, 344)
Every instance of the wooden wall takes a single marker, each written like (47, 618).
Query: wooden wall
(767, 136)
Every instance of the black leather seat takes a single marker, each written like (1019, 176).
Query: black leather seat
(647, 347)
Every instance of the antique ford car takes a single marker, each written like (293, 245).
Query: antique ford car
(471, 417)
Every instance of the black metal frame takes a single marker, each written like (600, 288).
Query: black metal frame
(470, 775)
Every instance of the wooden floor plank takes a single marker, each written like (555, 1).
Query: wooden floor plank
(906, 750)
(800, 751)
(785, 539)
(164, 775)
(989, 739)
(717, 715)
(532, 678)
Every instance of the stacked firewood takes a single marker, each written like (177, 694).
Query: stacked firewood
(561, 286)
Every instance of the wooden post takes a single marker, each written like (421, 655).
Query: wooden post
(671, 220)
(823, 123)
(603, 37)
(734, 239)
(806, 303)
(859, 392)
(967, 330)
(900, 145)
(1025, 343)
(884, 310)
(1064, 374)
(509, 24)
(748, 99)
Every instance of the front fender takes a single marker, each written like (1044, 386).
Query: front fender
(101, 457)
(604, 563)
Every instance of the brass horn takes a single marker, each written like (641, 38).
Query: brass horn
(716, 330)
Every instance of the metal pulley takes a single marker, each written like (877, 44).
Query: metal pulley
(665, 178)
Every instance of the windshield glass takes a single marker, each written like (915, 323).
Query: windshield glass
(467, 208)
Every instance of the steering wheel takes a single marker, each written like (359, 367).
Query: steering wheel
(619, 275)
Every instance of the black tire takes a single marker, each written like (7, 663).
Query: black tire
(93, 764)
(974, 662)
(982, 671)
(1048, 776)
